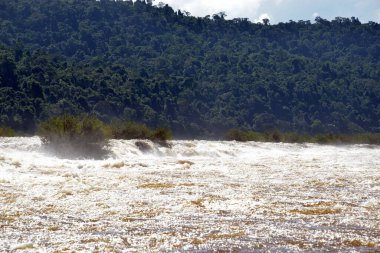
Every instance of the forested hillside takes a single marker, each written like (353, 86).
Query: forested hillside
(198, 76)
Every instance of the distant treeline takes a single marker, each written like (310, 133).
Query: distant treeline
(200, 77)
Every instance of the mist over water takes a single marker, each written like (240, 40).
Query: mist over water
(197, 196)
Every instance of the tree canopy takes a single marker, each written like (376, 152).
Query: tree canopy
(198, 76)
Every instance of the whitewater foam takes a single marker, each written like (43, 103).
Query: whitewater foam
(194, 196)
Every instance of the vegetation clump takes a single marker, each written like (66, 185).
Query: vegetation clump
(276, 136)
(132, 130)
(75, 136)
(7, 132)
(87, 136)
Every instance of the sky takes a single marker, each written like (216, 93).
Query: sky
(282, 10)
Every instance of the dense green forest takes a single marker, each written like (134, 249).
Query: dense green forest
(124, 60)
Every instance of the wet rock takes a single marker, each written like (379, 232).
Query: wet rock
(184, 162)
(143, 146)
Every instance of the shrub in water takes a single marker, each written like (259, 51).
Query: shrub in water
(236, 135)
(161, 134)
(130, 130)
(74, 136)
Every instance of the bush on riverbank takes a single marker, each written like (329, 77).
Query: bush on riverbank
(364, 138)
(87, 136)
(275, 136)
(132, 130)
(7, 132)
(72, 135)
(161, 134)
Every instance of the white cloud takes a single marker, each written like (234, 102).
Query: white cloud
(233, 8)
(315, 14)
(261, 17)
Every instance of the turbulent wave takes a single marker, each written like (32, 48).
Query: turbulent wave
(191, 196)
(128, 149)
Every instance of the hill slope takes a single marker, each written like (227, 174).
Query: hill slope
(199, 76)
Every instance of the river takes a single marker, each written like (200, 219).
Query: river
(196, 196)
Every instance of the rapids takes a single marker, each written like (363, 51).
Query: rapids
(196, 196)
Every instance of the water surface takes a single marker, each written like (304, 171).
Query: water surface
(198, 196)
